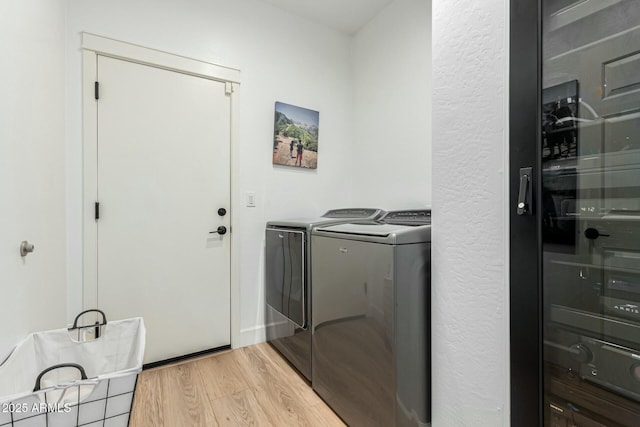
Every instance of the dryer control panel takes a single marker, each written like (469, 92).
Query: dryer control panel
(408, 217)
(354, 213)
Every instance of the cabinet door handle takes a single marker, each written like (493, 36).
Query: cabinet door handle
(524, 194)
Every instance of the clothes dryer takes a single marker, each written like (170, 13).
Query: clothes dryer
(371, 319)
(288, 261)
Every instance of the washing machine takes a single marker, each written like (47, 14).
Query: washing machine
(288, 261)
(371, 353)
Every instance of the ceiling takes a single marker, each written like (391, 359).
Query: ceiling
(345, 16)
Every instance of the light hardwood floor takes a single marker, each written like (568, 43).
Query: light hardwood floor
(251, 386)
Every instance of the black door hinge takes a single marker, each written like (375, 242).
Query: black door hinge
(96, 90)
(97, 210)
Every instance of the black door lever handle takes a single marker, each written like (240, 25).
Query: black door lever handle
(221, 230)
(524, 193)
(593, 233)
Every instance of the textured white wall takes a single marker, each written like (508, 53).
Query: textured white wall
(282, 58)
(470, 274)
(32, 168)
(391, 157)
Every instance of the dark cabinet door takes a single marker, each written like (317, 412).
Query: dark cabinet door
(584, 218)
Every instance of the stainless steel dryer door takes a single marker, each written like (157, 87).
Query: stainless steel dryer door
(285, 271)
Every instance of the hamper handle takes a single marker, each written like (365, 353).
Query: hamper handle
(83, 374)
(75, 322)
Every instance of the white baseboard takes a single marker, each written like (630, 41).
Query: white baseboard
(258, 334)
(250, 336)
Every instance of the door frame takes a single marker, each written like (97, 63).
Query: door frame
(525, 264)
(94, 45)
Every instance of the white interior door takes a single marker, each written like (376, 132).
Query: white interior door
(33, 288)
(163, 174)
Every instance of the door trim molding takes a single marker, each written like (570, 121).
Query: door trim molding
(157, 58)
(94, 45)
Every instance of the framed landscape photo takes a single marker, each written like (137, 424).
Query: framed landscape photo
(295, 136)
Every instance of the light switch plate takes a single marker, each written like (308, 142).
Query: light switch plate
(251, 199)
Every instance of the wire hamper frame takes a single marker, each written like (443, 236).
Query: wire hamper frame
(108, 360)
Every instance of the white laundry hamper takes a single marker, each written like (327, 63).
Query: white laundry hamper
(57, 379)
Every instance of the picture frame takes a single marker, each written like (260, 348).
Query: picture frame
(295, 136)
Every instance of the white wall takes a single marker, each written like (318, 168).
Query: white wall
(32, 168)
(391, 157)
(470, 276)
(282, 58)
